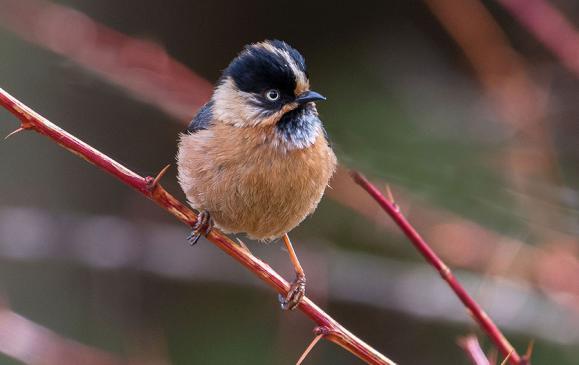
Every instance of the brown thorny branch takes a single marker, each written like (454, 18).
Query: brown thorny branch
(327, 327)
(475, 310)
(147, 72)
(149, 186)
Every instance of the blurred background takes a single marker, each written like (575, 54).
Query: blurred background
(467, 109)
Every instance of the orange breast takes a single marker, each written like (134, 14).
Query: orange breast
(249, 183)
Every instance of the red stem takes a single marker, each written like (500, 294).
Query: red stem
(147, 186)
(472, 306)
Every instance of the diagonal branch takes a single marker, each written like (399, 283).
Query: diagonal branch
(140, 67)
(149, 187)
(483, 320)
(550, 26)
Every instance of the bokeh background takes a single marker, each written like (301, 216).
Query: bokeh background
(467, 109)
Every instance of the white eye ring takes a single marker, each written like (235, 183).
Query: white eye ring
(272, 95)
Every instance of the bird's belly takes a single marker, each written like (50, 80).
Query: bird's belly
(268, 199)
(255, 189)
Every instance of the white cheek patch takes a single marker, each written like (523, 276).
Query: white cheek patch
(241, 109)
(235, 107)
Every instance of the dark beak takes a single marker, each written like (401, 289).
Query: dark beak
(308, 96)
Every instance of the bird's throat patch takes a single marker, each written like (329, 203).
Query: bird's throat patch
(299, 128)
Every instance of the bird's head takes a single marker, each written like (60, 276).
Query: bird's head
(264, 85)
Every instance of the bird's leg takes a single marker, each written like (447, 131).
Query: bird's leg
(202, 226)
(298, 286)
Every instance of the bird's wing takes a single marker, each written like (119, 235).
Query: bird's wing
(203, 118)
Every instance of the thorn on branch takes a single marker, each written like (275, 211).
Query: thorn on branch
(529, 353)
(391, 198)
(21, 129)
(153, 182)
(320, 332)
(507, 358)
(243, 245)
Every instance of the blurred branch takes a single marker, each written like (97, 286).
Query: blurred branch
(472, 348)
(483, 320)
(33, 344)
(531, 162)
(149, 187)
(530, 158)
(138, 66)
(550, 27)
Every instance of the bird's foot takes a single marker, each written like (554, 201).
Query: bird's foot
(295, 294)
(203, 226)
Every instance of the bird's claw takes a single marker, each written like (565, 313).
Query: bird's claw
(295, 294)
(203, 226)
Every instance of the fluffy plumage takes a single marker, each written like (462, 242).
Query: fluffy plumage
(258, 165)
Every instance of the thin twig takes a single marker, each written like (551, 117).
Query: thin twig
(529, 353)
(309, 348)
(484, 321)
(32, 120)
(14, 132)
(507, 358)
(471, 346)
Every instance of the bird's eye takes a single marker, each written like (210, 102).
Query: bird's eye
(272, 95)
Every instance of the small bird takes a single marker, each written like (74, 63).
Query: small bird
(256, 158)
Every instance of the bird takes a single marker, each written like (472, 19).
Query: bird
(256, 158)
